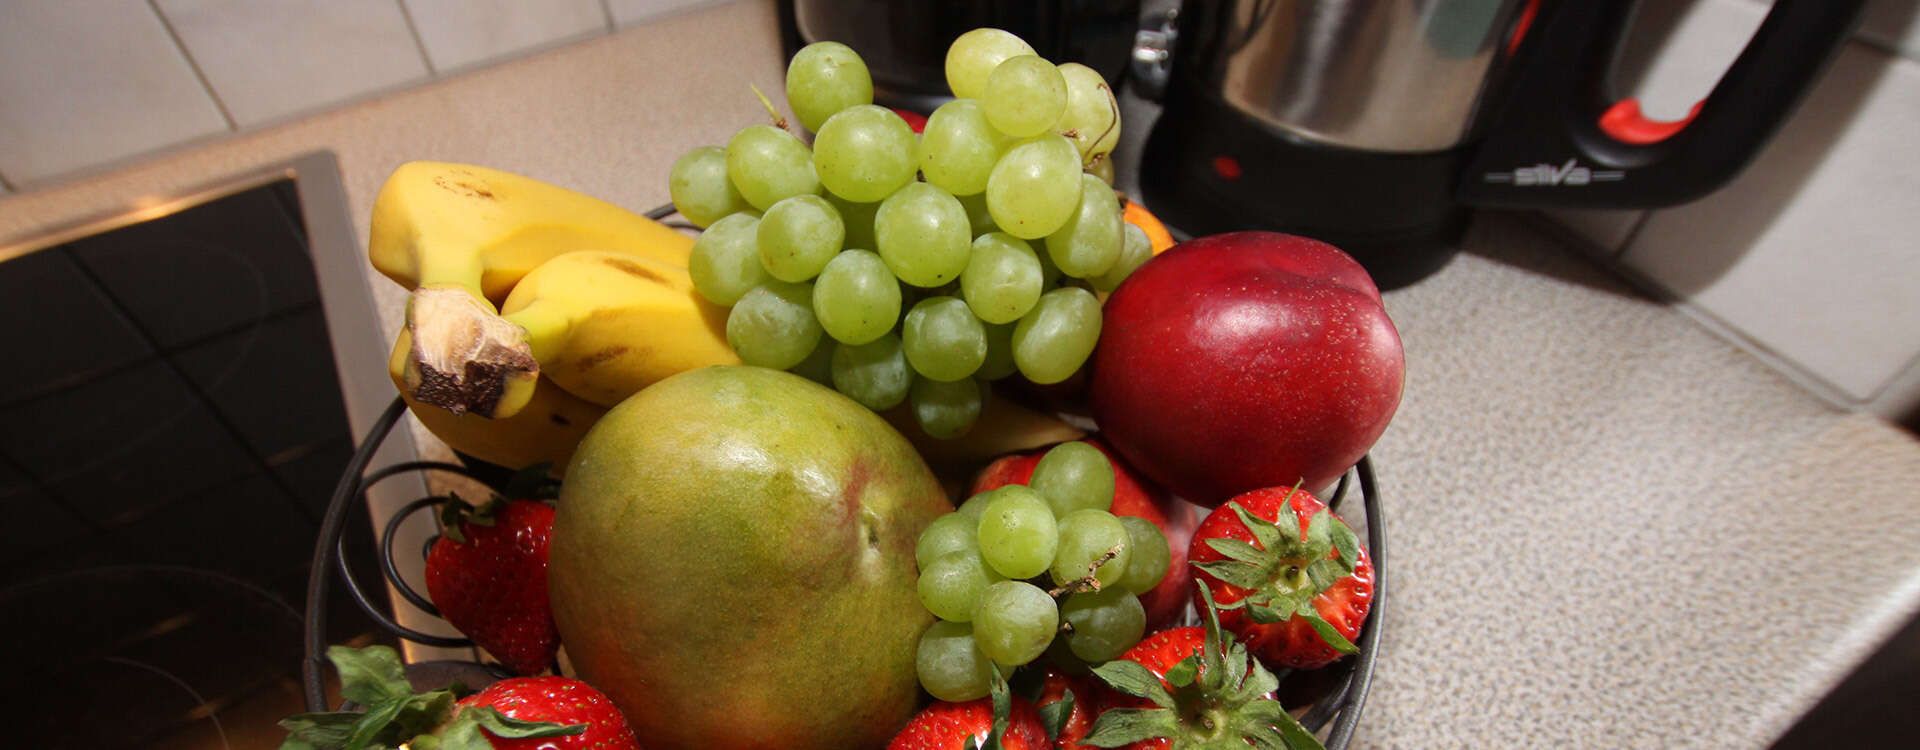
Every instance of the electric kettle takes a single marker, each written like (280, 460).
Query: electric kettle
(1377, 124)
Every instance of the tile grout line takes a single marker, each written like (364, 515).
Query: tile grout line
(419, 44)
(194, 65)
(606, 10)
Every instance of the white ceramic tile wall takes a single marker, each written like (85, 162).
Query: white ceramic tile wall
(628, 12)
(461, 33)
(267, 59)
(87, 81)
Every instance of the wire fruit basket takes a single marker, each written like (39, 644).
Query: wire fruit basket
(1334, 695)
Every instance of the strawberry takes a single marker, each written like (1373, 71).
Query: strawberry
(488, 576)
(1133, 495)
(1003, 721)
(1290, 576)
(1067, 707)
(557, 700)
(1193, 687)
(521, 713)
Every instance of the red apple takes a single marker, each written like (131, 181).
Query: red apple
(1246, 360)
(1133, 495)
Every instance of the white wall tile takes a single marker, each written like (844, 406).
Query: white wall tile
(88, 81)
(459, 33)
(270, 58)
(1607, 229)
(627, 12)
(1810, 253)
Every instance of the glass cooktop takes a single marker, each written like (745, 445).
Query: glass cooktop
(171, 427)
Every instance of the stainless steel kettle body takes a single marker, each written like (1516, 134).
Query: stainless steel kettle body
(1375, 124)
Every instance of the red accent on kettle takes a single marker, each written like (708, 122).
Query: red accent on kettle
(1227, 167)
(1626, 124)
(1521, 25)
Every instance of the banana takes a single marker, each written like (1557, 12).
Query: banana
(545, 431)
(604, 325)
(461, 237)
(480, 229)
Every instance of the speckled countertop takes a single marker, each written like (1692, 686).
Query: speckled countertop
(1609, 527)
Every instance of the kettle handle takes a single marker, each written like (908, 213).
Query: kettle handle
(1556, 139)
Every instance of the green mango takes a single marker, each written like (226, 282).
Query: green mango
(732, 562)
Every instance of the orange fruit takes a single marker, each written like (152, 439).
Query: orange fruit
(1136, 213)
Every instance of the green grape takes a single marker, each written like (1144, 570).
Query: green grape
(773, 325)
(865, 153)
(858, 219)
(1003, 279)
(976, 505)
(768, 164)
(1102, 168)
(824, 78)
(1105, 623)
(953, 532)
(999, 361)
(700, 188)
(1085, 537)
(1148, 561)
(1055, 337)
(958, 148)
(923, 234)
(979, 219)
(798, 236)
(952, 585)
(950, 664)
(1135, 251)
(818, 366)
(725, 263)
(1092, 115)
(1018, 535)
(1074, 476)
(1089, 243)
(875, 373)
(946, 409)
(1014, 622)
(943, 340)
(1049, 273)
(856, 298)
(972, 58)
(1035, 188)
(1025, 96)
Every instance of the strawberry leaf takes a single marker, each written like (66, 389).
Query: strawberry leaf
(1242, 551)
(1325, 573)
(1326, 630)
(1296, 736)
(507, 727)
(1002, 710)
(1135, 680)
(1234, 573)
(1264, 615)
(377, 721)
(1183, 672)
(1320, 530)
(1347, 544)
(1054, 715)
(320, 730)
(1119, 727)
(370, 676)
(453, 511)
(1264, 531)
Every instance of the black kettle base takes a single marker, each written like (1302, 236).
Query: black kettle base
(1207, 168)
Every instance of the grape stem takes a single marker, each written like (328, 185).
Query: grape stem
(779, 120)
(1087, 583)
(1113, 106)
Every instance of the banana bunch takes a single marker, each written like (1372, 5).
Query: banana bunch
(532, 308)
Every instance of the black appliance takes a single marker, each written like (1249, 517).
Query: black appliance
(1376, 125)
(904, 42)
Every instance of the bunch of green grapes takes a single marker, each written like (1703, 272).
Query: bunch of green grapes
(915, 268)
(1019, 570)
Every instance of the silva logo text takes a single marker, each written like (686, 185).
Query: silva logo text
(1570, 174)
